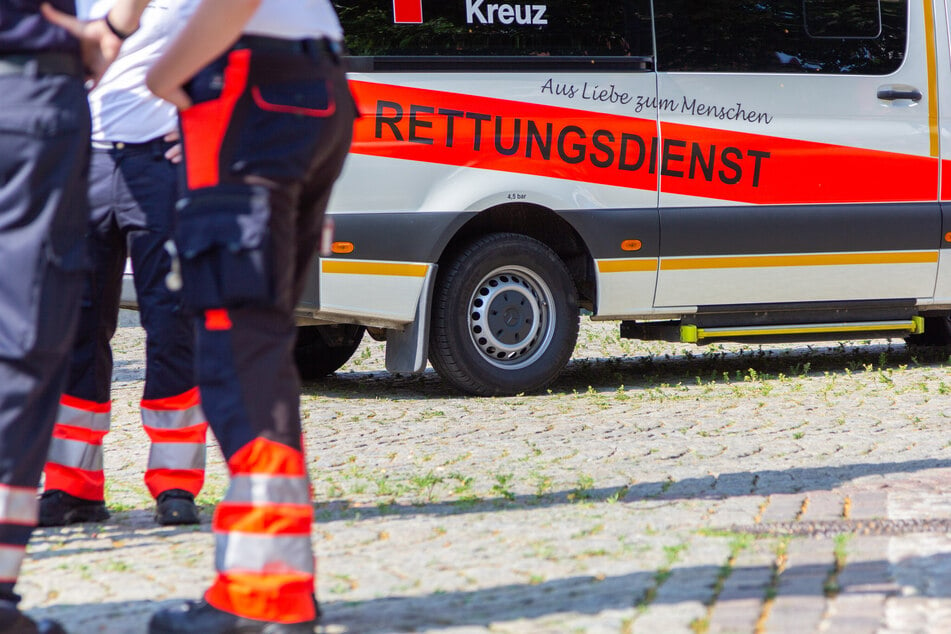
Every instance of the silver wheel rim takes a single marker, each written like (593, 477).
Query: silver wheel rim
(510, 318)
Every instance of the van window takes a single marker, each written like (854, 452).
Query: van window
(865, 37)
(834, 18)
(544, 32)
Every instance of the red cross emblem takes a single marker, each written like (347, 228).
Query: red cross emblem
(408, 11)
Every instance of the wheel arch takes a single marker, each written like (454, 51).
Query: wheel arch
(540, 223)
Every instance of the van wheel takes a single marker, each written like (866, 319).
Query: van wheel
(505, 317)
(937, 333)
(321, 350)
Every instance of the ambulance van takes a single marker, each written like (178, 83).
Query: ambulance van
(696, 170)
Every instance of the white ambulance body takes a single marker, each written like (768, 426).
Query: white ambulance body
(698, 171)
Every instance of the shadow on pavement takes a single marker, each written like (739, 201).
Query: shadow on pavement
(579, 595)
(725, 485)
(712, 365)
(54, 542)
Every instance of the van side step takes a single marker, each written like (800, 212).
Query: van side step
(774, 333)
(855, 329)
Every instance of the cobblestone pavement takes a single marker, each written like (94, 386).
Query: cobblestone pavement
(656, 488)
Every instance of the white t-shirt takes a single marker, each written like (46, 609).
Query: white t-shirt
(123, 109)
(295, 19)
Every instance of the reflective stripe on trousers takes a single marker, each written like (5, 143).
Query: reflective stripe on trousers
(19, 506)
(176, 426)
(74, 462)
(263, 551)
(11, 559)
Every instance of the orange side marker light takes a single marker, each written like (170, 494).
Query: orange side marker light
(341, 247)
(631, 245)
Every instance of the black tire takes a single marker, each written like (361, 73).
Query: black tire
(937, 333)
(321, 350)
(504, 317)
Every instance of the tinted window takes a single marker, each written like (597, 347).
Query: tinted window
(597, 28)
(834, 18)
(781, 36)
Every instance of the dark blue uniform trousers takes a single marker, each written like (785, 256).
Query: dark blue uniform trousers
(132, 196)
(44, 144)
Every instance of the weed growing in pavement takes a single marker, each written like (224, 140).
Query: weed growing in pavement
(669, 482)
(463, 486)
(779, 566)
(342, 583)
(501, 486)
(427, 414)
(588, 532)
(543, 549)
(333, 490)
(426, 485)
(700, 625)
(543, 484)
(117, 565)
(738, 544)
(385, 487)
(617, 495)
(661, 575)
(830, 586)
(583, 487)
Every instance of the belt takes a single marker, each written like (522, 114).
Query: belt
(314, 47)
(47, 63)
(156, 144)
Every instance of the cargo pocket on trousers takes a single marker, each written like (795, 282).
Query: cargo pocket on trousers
(224, 244)
(285, 121)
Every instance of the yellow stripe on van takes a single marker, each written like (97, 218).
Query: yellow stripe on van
(813, 259)
(350, 267)
(932, 77)
(627, 266)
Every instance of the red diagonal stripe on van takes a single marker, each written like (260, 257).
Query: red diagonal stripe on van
(498, 134)
(408, 11)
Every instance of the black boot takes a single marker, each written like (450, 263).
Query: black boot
(59, 508)
(175, 507)
(20, 623)
(198, 617)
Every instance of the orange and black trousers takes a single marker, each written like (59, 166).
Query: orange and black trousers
(263, 144)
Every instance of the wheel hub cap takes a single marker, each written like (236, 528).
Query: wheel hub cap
(505, 317)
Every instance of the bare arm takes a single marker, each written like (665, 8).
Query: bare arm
(212, 29)
(125, 14)
(99, 45)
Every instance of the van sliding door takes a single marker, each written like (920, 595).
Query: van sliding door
(798, 151)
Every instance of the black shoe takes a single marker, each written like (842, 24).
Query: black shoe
(199, 617)
(175, 507)
(59, 508)
(22, 624)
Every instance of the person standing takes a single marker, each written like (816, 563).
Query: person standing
(267, 121)
(44, 145)
(132, 193)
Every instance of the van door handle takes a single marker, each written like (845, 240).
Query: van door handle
(899, 91)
